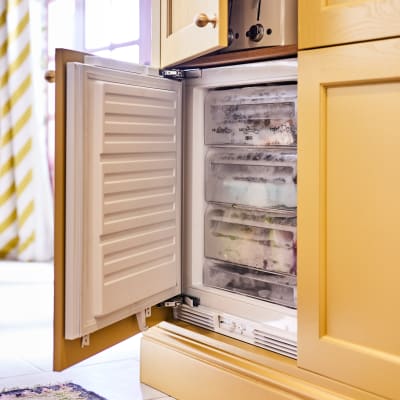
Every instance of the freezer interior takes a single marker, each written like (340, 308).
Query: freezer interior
(240, 197)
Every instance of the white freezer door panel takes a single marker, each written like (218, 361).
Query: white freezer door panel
(123, 195)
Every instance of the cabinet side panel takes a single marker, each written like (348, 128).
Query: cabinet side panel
(348, 214)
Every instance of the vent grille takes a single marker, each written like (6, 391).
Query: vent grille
(253, 332)
(195, 316)
(271, 342)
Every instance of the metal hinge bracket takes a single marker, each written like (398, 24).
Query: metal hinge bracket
(85, 341)
(181, 74)
(141, 318)
(191, 301)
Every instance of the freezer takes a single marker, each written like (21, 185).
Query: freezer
(167, 206)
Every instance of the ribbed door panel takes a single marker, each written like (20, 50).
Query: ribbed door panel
(138, 193)
(124, 210)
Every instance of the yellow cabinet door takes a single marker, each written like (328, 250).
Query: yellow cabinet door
(330, 22)
(192, 28)
(68, 352)
(349, 214)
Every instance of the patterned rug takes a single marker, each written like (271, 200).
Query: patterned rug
(66, 391)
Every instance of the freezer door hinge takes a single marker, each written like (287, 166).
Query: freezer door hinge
(191, 301)
(85, 341)
(141, 318)
(181, 74)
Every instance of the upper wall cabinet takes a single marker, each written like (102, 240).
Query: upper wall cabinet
(331, 22)
(192, 28)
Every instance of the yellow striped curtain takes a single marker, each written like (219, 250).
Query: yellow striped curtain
(17, 224)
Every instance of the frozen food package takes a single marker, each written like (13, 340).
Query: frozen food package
(252, 177)
(257, 239)
(280, 289)
(255, 116)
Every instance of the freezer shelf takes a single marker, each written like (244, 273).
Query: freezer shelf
(253, 238)
(252, 177)
(280, 289)
(260, 116)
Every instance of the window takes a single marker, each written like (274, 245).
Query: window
(118, 29)
(110, 28)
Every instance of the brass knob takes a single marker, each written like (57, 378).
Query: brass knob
(50, 76)
(202, 19)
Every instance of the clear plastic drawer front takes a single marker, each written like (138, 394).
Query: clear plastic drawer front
(260, 116)
(278, 289)
(252, 177)
(257, 239)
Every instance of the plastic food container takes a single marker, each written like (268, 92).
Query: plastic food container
(252, 177)
(259, 116)
(274, 288)
(261, 240)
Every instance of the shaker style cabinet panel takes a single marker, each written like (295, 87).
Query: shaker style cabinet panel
(348, 214)
(192, 28)
(330, 22)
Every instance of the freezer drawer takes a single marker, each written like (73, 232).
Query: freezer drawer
(253, 238)
(280, 289)
(252, 177)
(260, 116)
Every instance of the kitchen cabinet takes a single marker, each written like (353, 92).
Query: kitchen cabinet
(182, 39)
(346, 242)
(348, 216)
(353, 332)
(347, 303)
(333, 22)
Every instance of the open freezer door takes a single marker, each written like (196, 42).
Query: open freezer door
(122, 202)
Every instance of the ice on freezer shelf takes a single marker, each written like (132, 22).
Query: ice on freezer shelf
(257, 239)
(280, 289)
(260, 116)
(252, 177)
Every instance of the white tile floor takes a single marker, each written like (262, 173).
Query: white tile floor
(26, 311)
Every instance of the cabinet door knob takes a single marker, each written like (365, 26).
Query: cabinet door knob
(50, 76)
(202, 19)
